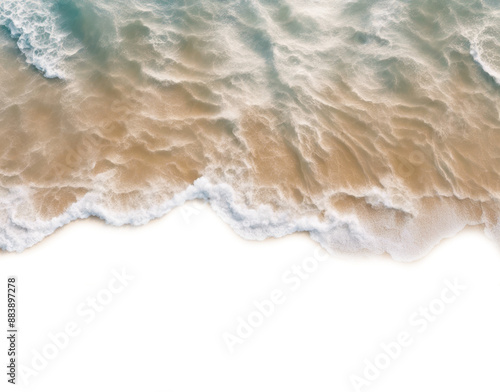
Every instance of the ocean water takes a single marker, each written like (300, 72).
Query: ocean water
(373, 125)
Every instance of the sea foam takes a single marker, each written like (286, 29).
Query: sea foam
(34, 27)
(335, 233)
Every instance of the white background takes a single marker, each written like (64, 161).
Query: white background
(193, 278)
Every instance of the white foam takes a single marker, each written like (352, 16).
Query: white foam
(19, 231)
(38, 38)
(483, 42)
(477, 54)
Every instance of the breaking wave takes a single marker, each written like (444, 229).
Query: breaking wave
(373, 126)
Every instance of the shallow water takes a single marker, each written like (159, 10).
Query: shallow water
(372, 125)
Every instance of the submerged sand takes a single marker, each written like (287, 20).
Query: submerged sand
(372, 129)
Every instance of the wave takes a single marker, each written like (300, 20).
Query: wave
(481, 58)
(35, 29)
(20, 232)
(334, 232)
(368, 125)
